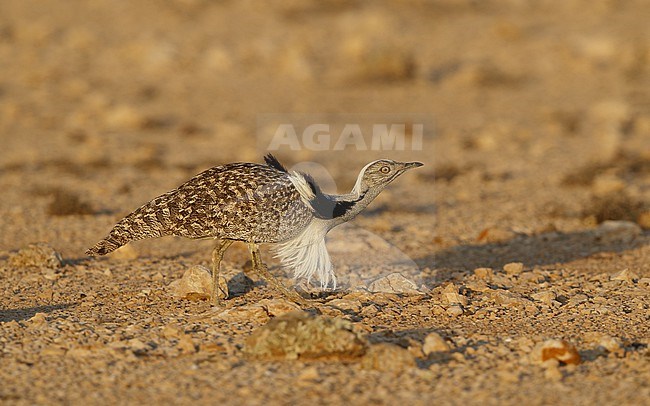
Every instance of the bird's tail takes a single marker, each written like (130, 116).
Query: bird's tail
(115, 239)
(144, 222)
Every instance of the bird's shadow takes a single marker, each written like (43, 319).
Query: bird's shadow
(25, 313)
(536, 250)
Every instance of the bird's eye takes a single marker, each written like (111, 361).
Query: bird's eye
(384, 169)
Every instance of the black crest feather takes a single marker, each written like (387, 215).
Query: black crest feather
(273, 162)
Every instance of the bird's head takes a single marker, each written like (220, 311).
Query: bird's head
(378, 174)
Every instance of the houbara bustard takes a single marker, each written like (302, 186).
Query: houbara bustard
(257, 203)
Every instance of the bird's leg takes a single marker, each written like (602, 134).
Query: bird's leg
(261, 269)
(217, 256)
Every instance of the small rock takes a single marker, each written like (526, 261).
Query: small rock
(39, 255)
(388, 357)
(578, 299)
(433, 342)
(559, 350)
(278, 307)
(243, 314)
(531, 277)
(454, 310)
(301, 335)
(484, 273)
(612, 345)
(196, 284)
(394, 283)
(625, 275)
(345, 304)
(38, 319)
(451, 295)
(617, 231)
(369, 311)
(506, 297)
(513, 268)
(547, 297)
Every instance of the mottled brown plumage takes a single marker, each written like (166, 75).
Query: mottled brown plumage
(240, 201)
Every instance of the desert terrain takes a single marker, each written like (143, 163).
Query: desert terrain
(513, 267)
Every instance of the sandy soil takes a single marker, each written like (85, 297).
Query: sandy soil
(537, 137)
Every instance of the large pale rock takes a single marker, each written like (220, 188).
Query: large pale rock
(39, 255)
(299, 335)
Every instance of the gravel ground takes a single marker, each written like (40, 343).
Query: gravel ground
(513, 267)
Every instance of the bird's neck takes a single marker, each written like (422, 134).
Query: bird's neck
(357, 200)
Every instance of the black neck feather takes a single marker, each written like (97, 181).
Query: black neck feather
(324, 206)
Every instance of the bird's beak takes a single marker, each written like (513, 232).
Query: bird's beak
(411, 165)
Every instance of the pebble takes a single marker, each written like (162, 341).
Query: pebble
(612, 345)
(369, 311)
(578, 299)
(39, 255)
(387, 357)
(38, 319)
(299, 335)
(196, 284)
(454, 310)
(451, 295)
(560, 350)
(547, 297)
(244, 314)
(484, 273)
(513, 268)
(394, 283)
(433, 342)
(625, 275)
(277, 307)
(344, 304)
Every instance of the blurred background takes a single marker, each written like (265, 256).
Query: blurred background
(535, 109)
